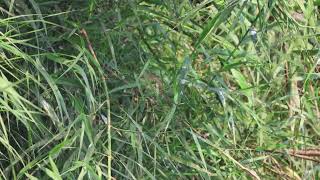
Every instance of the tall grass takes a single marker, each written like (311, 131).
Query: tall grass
(159, 89)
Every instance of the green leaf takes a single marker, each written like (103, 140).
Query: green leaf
(214, 23)
(244, 85)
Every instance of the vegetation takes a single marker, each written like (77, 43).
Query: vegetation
(159, 89)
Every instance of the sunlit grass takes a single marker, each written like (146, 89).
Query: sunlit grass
(159, 89)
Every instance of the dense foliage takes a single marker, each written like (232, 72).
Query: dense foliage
(159, 89)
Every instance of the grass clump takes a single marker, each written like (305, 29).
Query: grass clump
(159, 89)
